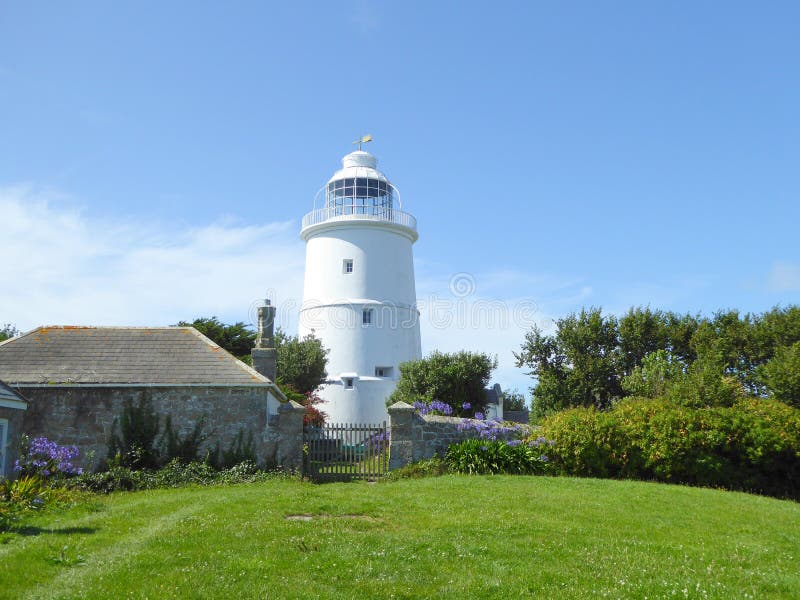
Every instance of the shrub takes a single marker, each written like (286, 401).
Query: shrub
(184, 448)
(313, 416)
(241, 449)
(587, 443)
(174, 474)
(134, 436)
(753, 445)
(117, 478)
(490, 457)
(19, 497)
(458, 379)
(177, 474)
(432, 467)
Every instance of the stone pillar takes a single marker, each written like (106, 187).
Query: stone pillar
(265, 356)
(401, 446)
(289, 453)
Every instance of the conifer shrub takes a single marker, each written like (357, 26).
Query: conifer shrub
(241, 449)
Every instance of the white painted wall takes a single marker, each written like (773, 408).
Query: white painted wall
(333, 301)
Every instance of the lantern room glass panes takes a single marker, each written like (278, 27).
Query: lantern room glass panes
(360, 196)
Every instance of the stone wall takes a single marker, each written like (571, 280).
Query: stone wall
(517, 416)
(84, 416)
(416, 437)
(14, 417)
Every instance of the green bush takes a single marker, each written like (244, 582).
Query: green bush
(753, 445)
(490, 457)
(117, 478)
(432, 467)
(20, 496)
(781, 375)
(175, 474)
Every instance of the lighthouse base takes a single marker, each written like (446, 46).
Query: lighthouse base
(364, 402)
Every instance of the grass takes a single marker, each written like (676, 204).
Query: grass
(446, 537)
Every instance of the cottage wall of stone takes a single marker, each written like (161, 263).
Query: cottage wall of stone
(84, 416)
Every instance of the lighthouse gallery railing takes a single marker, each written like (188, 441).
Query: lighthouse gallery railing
(360, 213)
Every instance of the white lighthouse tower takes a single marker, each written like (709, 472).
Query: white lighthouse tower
(359, 296)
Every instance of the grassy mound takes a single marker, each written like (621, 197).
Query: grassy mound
(452, 536)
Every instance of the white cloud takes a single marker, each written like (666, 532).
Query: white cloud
(784, 277)
(61, 266)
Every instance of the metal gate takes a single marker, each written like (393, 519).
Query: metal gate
(343, 452)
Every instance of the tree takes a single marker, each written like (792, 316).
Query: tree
(458, 379)
(781, 375)
(641, 331)
(8, 331)
(658, 372)
(702, 383)
(301, 362)
(593, 360)
(514, 400)
(236, 339)
(577, 366)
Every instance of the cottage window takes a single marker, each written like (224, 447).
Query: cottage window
(347, 265)
(366, 316)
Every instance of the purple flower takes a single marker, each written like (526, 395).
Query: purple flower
(480, 416)
(434, 407)
(544, 458)
(47, 458)
(466, 406)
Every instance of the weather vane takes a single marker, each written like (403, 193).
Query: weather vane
(363, 140)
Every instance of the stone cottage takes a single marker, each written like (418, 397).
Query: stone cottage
(12, 409)
(77, 381)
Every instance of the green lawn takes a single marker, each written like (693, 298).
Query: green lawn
(452, 536)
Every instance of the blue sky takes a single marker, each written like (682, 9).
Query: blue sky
(156, 158)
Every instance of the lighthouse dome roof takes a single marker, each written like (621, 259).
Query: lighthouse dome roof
(359, 164)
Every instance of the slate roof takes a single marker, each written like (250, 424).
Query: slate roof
(494, 395)
(6, 393)
(121, 355)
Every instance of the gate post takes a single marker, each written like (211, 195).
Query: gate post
(401, 445)
(290, 435)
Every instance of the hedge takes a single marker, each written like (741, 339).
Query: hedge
(753, 445)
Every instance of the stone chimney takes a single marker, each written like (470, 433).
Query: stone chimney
(265, 356)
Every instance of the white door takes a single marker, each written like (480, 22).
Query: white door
(3, 436)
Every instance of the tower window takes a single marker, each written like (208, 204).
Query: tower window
(366, 316)
(383, 371)
(347, 265)
(348, 383)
